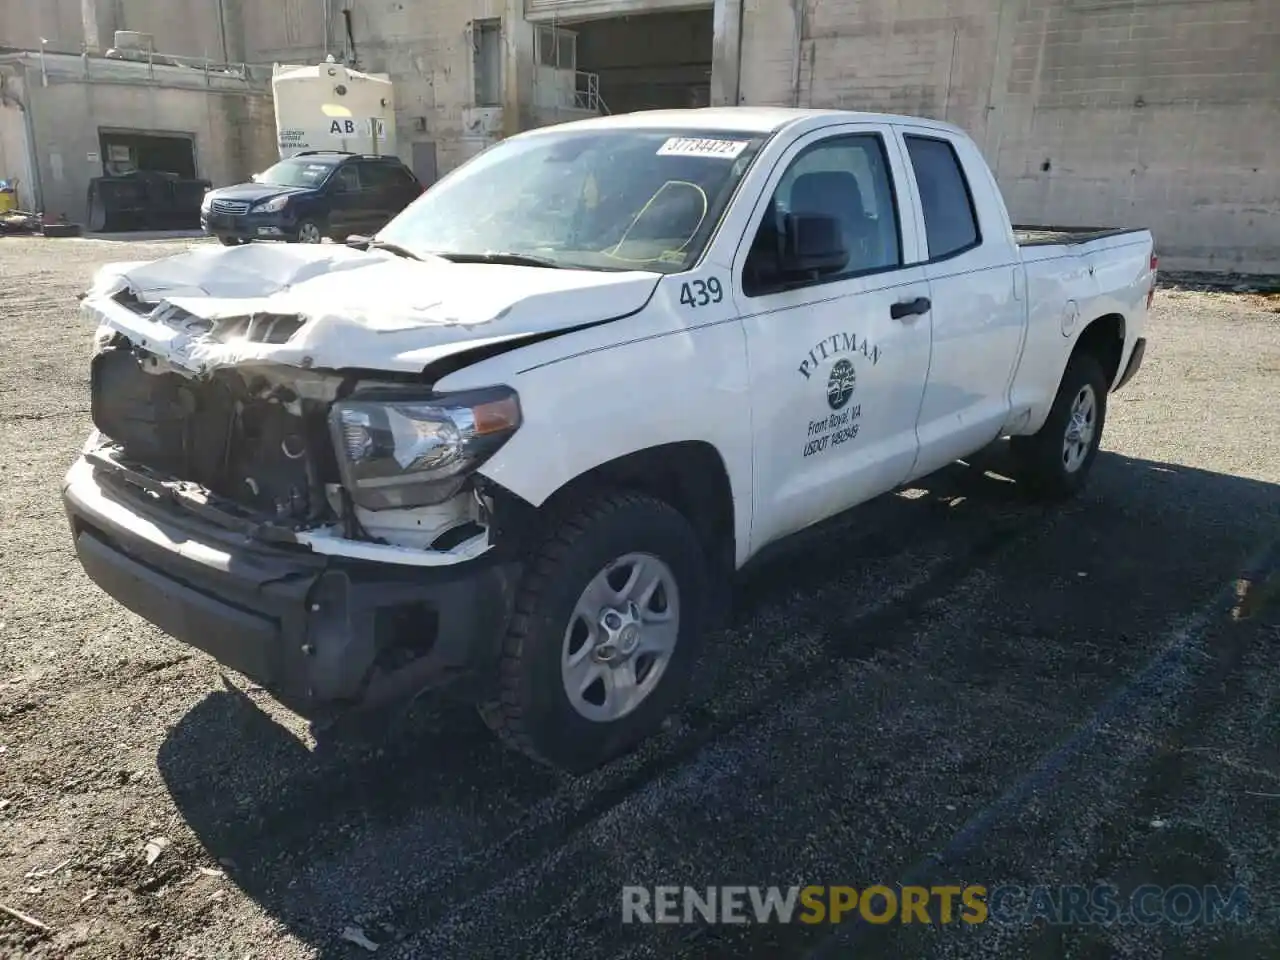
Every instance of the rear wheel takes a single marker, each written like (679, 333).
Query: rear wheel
(1056, 460)
(604, 635)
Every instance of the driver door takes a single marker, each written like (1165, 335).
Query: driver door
(838, 367)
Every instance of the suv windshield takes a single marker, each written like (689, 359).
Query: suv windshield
(296, 173)
(620, 199)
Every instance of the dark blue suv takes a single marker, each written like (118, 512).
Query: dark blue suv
(309, 196)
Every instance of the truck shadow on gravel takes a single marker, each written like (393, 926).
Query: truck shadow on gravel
(397, 830)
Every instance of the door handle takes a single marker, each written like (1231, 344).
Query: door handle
(910, 308)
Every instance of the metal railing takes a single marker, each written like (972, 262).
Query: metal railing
(140, 66)
(586, 93)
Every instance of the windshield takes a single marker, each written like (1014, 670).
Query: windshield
(622, 199)
(295, 173)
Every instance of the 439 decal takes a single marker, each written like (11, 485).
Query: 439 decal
(701, 293)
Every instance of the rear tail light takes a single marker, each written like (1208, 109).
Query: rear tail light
(1155, 266)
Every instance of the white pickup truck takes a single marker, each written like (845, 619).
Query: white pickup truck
(517, 444)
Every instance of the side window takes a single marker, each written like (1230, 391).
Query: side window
(375, 176)
(950, 223)
(348, 179)
(845, 177)
(401, 178)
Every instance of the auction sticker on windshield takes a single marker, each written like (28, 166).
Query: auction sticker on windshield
(702, 147)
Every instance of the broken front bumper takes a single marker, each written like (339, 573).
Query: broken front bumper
(321, 633)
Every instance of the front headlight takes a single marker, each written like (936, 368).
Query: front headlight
(406, 452)
(274, 205)
(207, 203)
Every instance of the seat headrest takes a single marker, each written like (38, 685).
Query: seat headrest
(827, 191)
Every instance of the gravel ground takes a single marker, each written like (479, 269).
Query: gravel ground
(948, 685)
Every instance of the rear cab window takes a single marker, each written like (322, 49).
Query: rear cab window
(950, 219)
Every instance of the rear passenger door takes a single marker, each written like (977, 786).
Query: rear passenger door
(373, 195)
(978, 318)
(837, 367)
(403, 190)
(345, 202)
(385, 190)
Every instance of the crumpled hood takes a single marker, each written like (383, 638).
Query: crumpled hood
(339, 307)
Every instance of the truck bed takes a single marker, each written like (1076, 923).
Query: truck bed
(1038, 236)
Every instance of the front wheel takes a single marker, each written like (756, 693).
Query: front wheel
(230, 241)
(604, 635)
(1056, 460)
(309, 232)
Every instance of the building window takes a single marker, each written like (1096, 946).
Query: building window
(486, 39)
(557, 48)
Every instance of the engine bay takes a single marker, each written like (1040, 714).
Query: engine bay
(253, 444)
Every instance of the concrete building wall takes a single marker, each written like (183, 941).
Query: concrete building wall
(24, 22)
(13, 153)
(188, 28)
(233, 133)
(426, 47)
(185, 28)
(1163, 113)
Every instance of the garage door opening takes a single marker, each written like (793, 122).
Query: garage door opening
(149, 182)
(126, 153)
(649, 61)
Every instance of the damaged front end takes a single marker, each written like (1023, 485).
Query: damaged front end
(322, 531)
(289, 454)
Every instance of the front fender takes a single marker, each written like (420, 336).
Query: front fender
(604, 402)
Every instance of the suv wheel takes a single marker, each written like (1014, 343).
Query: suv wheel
(309, 232)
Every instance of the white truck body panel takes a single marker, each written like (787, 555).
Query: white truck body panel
(1068, 287)
(611, 363)
(986, 364)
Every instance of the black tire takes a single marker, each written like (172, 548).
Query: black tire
(231, 241)
(532, 712)
(310, 228)
(1045, 468)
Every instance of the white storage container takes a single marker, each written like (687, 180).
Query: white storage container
(329, 107)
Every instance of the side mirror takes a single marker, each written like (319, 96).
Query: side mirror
(358, 242)
(812, 245)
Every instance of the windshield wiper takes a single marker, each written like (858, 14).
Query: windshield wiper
(512, 259)
(395, 248)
